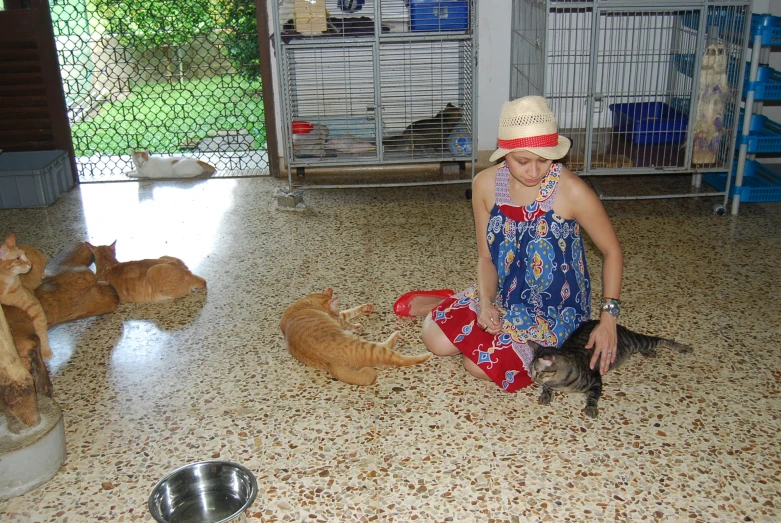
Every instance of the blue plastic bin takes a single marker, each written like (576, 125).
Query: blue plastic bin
(34, 178)
(766, 87)
(760, 184)
(649, 122)
(717, 16)
(764, 135)
(439, 15)
(767, 27)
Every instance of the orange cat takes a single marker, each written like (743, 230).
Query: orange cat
(319, 335)
(13, 262)
(144, 281)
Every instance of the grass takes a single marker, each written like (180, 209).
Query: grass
(165, 117)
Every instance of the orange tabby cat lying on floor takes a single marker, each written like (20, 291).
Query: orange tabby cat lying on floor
(319, 335)
(144, 281)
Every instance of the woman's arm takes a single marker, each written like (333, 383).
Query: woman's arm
(487, 277)
(588, 210)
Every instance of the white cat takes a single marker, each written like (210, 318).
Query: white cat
(172, 167)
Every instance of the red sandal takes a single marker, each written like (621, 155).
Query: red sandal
(402, 305)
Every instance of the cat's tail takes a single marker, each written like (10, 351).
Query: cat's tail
(670, 344)
(207, 167)
(383, 354)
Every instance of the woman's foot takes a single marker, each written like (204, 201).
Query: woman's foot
(420, 303)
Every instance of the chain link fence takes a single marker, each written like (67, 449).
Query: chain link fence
(176, 77)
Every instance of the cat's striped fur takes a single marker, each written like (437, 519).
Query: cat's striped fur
(318, 334)
(567, 369)
(13, 263)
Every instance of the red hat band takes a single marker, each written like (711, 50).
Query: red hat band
(545, 140)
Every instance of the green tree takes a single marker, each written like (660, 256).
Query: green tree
(241, 36)
(157, 23)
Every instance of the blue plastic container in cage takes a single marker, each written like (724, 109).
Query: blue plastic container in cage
(439, 15)
(649, 122)
(460, 142)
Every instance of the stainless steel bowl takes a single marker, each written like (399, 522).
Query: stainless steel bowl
(204, 492)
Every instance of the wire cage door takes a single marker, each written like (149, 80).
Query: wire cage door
(638, 88)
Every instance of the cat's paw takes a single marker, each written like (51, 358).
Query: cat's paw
(46, 352)
(592, 411)
(545, 397)
(367, 307)
(393, 338)
(357, 328)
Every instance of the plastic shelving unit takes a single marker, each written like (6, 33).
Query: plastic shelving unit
(753, 182)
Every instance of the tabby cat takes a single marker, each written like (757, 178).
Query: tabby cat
(144, 281)
(318, 334)
(14, 262)
(428, 133)
(567, 368)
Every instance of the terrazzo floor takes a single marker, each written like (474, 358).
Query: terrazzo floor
(144, 390)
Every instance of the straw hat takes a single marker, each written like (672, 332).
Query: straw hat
(528, 124)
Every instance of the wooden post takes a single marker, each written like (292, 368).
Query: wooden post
(17, 390)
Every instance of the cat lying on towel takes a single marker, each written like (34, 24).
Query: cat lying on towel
(172, 167)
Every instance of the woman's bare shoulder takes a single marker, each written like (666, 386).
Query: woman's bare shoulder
(483, 186)
(573, 185)
(572, 192)
(485, 180)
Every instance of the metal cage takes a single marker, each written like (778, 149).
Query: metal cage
(626, 79)
(376, 82)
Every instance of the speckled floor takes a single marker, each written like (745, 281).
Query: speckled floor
(150, 388)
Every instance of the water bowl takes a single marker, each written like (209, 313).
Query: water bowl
(204, 492)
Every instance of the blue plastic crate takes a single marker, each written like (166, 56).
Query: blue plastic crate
(718, 16)
(766, 87)
(439, 15)
(767, 27)
(764, 134)
(760, 184)
(649, 122)
(34, 178)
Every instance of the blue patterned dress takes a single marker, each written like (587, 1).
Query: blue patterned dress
(544, 287)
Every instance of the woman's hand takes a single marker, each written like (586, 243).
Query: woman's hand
(604, 341)
(489, 319)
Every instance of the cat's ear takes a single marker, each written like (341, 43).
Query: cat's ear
(10, 240)
(145, 154)
(113, 246)
(546, 361)
(333, 305)
(329, 291)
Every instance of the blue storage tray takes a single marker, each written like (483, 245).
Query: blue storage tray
(760, 184)
(716, 16)
(766, 87)
(649, 122)
(33, 178)
(767, 27)
(439, 15)
(764, 134)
